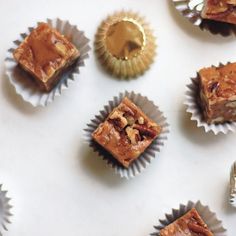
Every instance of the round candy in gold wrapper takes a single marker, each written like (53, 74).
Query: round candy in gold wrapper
(125, 44)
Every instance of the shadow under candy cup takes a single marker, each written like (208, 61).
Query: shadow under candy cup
(205, 213)
(22, 81)
(5, 208)
(191, 9)
(149, 154)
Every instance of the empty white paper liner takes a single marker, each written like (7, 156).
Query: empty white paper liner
(207, 215)
(191, 101)
(233, 185)
(22, 81)
(191, 9)
(5, 213)
(152, 111)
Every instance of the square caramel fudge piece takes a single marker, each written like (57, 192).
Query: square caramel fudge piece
(220, 10)
(218, 93)
(126, 132)
(45, 53)
(191, 224)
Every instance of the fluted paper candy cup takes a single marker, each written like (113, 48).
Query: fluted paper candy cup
(140, 164)
(22, 81)
(193, 107)
(191, 9)
(206, 214)
(233, 185)
(5, 213)
(125, 44)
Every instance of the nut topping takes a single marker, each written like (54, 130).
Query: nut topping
(61, 48)
(141, 120)
(199, 230)
(133, 135)
(118, 119)
(130, 120)
(145, 131)
(127, 111)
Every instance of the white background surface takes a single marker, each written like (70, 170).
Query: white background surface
(59, 187)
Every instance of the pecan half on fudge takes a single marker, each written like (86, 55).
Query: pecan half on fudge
(220, 10)
(126, 132)
(218, 93)
(191, 224)
(45, 54)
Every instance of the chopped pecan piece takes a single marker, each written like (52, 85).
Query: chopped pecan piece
(133, 135)
(146, 131)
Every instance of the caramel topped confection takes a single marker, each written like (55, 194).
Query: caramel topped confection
(191, 224)
(220, 10)
(218, 93)
(126, 132)
(45, 53)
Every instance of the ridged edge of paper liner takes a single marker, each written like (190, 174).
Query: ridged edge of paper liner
(5, 210)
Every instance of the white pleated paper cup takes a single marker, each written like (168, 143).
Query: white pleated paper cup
(206, 214)
(22, 81)
(5, 208)
(191, 9)
(232, 198)
(193, 107)
(140, 164)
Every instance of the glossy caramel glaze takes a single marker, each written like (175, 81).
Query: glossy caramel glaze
(45, 52)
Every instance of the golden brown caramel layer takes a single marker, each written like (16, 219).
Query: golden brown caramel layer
(44, 53)
(126, 133)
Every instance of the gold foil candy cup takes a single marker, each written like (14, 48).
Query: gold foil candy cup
(140, 164)
(193, 107)
(125, 44)
(5, 208)
(232, 199)
(191, 9)
(209, 217)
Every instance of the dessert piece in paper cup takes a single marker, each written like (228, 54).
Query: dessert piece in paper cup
(125, 44)
(203, 218)
(133, 135)
(5, 213)
(233, 185)
(193, 101)
(192, 10)
(23, 82)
